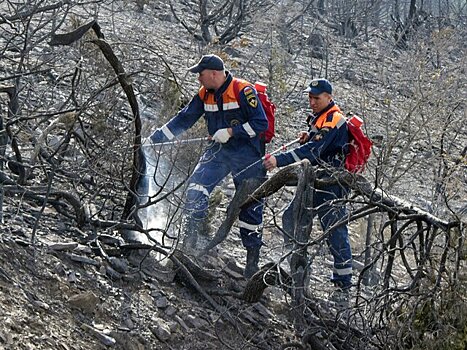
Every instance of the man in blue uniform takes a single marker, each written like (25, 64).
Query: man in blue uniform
(325, 143)
(234, 119)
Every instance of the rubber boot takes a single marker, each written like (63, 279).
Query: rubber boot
(252, 260)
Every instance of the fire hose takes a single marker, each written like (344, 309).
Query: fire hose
(267, 156)
(200, 139)
(177, 142)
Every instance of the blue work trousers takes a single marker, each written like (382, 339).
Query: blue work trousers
(338, 238)
(215, 164)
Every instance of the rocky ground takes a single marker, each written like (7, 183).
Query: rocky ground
(57, 291)
(62, 287)
(58, 294)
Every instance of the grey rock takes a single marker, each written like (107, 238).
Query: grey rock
(82, 259)
(161, 331)
(71, 277)
(196, 322)
(233, 274)
(166, 17)
(41, 304)
(86, 301)
(182, 323)
(173, 326)
(263, 310)
(114, 275)
(170, 310)
(162, 302)
(61, 246)
(233, 266)
(103, 338)
(119, 265)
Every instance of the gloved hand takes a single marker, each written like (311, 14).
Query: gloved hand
(221, 135)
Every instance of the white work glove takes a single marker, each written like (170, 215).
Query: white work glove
(221, 136)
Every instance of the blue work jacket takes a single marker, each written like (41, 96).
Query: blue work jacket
(221, 109)
(328, 140)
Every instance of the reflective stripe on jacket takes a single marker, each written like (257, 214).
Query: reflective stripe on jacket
(221, 110)
(327, 142)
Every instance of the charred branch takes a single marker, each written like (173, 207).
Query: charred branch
(34, 10)
(358, 183)
(139, 162)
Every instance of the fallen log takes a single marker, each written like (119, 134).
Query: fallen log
(270, 274)
(358, 183)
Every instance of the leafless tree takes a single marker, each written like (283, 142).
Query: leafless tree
(218, 21)
(77, 93)
(82, 79)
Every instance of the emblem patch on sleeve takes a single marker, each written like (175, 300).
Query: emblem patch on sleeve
(250, 97)
(317, 137)
(321, 133)
(234, 122)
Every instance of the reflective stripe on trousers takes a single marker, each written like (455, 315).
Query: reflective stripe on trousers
(338, 239)
(215, 164)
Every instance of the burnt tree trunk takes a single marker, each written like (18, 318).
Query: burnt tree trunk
(303, 224)
(139, 162)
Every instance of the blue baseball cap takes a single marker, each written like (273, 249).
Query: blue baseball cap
(318, 86)
(207, 62)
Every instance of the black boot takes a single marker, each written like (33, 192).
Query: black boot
(252, 260)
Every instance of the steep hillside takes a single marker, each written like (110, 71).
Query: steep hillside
(71, 279)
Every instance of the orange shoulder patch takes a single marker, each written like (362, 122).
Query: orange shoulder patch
(333, 120)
